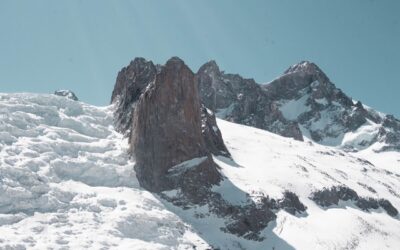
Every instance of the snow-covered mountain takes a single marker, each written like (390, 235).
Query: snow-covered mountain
(67, 182)
(305, 95)
(303, 102)
(157, 170)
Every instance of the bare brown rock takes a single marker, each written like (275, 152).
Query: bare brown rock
(166, 129)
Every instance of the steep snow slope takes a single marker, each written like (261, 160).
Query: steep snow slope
(66, 182)
(269, 164)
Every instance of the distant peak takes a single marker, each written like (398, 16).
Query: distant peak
(175, 60)
(139, 61)
(177, 65)
(212, 63)
(308, 68)
(304, 66)
(209, 66)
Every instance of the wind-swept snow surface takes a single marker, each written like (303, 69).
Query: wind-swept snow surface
(66, 182)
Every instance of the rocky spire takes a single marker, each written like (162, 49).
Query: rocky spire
(169, 128)
(130, 84)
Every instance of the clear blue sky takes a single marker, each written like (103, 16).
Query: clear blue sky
(81, 45)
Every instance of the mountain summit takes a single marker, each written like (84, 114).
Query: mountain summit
(301, 103)
(243, 101)
(326, 115)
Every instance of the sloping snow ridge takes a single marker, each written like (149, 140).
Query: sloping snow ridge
(66, 182)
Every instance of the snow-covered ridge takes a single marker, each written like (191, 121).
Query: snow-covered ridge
(67, 182)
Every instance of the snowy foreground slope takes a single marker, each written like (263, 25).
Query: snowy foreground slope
(66, 182)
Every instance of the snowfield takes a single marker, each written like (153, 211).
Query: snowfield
(66, 182)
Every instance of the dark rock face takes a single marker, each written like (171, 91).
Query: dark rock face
(66, 93)
(251, 219)
(390, 133)
(211, 133)
(166, 129)
(291, 203)
(131, 83)
(248, 221)
(243, 101)
(296, 78)
(332, 196)
(305, 85)
(388, 207)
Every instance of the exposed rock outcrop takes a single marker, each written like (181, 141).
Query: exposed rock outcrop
(390, 133)
(66, 93)
(131, 82)
(243, 101)
(332, 196)
(249, 219)
(166, 131)
(211, 133)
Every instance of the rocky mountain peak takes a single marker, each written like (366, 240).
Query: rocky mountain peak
(241, 100)
(130, 84)
(303, 97)
(303, 66)
(167, 131)
(298, 77)
(138, 70)
(308, 69)
(208, 67)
